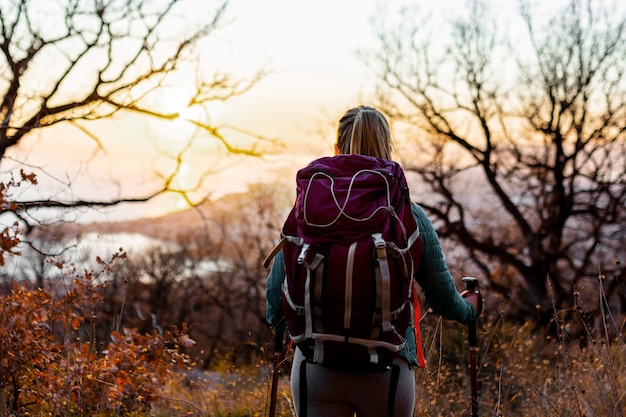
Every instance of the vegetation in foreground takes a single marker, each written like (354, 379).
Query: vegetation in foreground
(55, 359)
(50, 366)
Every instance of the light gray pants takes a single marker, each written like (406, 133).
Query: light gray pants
(332, 393)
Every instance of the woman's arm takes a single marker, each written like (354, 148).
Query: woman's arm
(273, 293)
(435, 278)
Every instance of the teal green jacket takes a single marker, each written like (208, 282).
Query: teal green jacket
(432, 275)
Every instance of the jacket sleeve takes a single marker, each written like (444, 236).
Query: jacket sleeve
(435, 278)
(273, 293)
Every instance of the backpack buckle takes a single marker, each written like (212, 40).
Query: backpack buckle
(379, 242)
(302, 256)
(380, 245)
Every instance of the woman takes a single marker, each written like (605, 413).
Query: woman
(364, 130)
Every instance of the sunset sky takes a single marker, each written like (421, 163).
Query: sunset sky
(309, 48)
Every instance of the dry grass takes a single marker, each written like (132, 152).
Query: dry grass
(224, 392)
(526, 370)
(522, 372)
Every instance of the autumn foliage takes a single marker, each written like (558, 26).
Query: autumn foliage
(51, 362)
(9, 235)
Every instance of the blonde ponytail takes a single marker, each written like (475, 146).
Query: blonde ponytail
(364, 130)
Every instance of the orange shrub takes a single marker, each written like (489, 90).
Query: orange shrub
(49, 362)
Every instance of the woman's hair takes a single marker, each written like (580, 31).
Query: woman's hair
(364, 130)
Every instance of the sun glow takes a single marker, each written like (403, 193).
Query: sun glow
(191, 113)
(178, 100)
(210, 113)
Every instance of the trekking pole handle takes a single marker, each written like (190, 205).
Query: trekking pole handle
(471, 283)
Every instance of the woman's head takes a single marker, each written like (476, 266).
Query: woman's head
(364, 130)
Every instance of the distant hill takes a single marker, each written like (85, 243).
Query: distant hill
(166, 227)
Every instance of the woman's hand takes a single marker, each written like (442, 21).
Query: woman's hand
(475, 299)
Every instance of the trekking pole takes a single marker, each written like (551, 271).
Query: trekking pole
(472, 283)
(278, 353)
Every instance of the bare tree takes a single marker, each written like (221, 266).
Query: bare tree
(73, 62)
(238, 233)
(522, 141)
(206, 273)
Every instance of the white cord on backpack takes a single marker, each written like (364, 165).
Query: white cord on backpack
(342, 209)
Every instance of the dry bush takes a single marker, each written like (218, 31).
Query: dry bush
(50, 366)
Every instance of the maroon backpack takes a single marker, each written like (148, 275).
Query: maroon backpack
(351, 248)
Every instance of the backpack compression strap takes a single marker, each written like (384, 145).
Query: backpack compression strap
(383, 276)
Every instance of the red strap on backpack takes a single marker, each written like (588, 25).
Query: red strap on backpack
(418, 338)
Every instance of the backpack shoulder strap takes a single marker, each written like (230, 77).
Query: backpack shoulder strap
(274, 252)
(295, 240)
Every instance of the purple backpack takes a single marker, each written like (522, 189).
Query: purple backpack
(351, 248)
